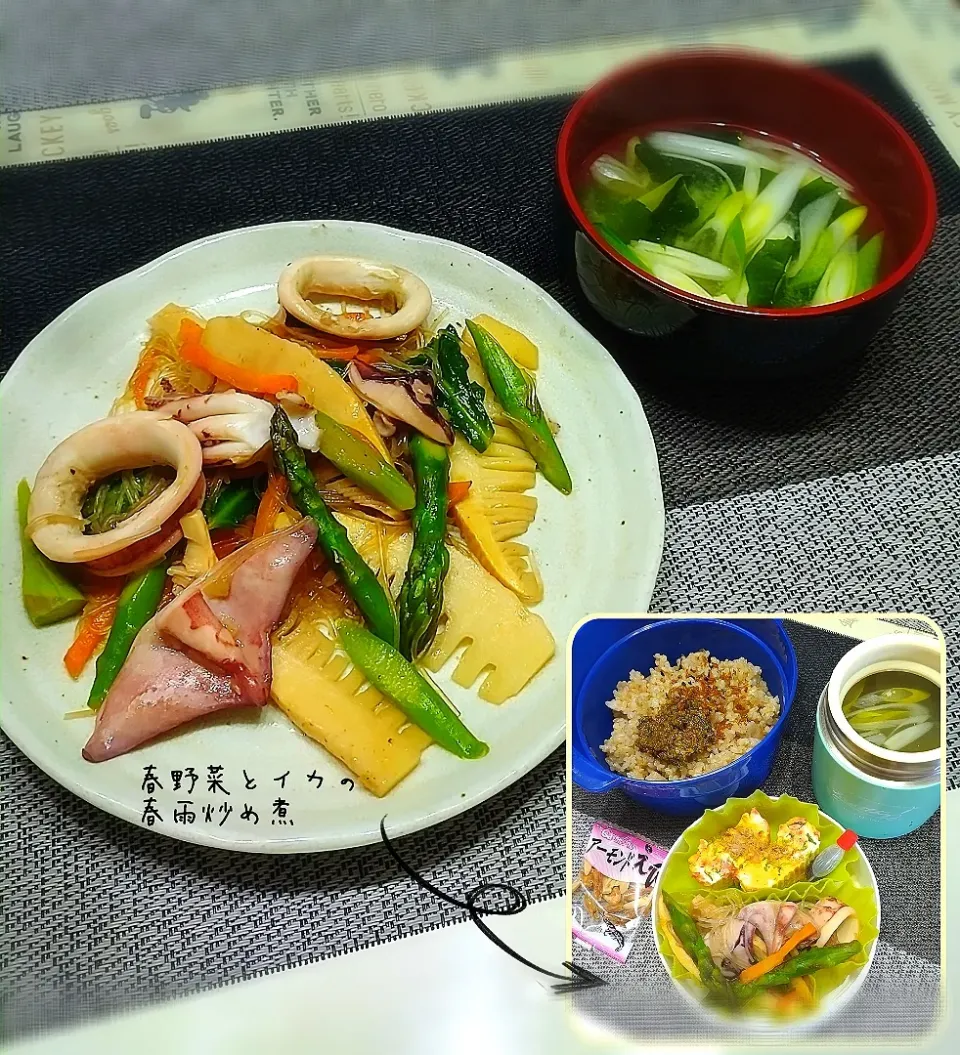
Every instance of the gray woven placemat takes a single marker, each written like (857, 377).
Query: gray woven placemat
(884, 539)
(909, 953)
(99, 915)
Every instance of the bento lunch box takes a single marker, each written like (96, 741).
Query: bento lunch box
(610, 648)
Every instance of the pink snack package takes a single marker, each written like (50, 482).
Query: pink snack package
(614, 889)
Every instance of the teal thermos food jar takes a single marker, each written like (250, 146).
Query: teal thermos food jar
(876, 792)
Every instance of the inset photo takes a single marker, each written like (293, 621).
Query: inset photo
(755, 842)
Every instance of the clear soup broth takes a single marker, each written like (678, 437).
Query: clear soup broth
(734, 216)
(895, 709)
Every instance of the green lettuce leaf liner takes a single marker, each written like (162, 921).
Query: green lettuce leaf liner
(682, 887)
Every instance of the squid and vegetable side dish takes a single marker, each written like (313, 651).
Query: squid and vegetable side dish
(761, 935)
(315, 509)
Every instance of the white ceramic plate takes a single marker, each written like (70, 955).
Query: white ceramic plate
(599, 549)
(862, 871)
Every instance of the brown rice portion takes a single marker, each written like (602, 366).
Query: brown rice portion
(730, 693)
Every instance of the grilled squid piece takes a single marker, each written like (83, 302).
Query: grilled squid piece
(356, 279)
(126, 441)
(232, 427)
(404, 395)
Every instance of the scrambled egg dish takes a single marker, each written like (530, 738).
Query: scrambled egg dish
(746, 855)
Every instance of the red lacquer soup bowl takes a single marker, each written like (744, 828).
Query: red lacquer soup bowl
(805, 107)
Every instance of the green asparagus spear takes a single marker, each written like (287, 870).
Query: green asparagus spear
(358, 580)
(421, 596)
(460, 397)
(419, 700)
(229, 504)
(518, 396)
(137, 603)
(48, 595)
(805, 962)
(359, 462)
(690, 938)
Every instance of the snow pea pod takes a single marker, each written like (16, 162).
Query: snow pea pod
(137, 604)
(419, 700)
(359, 462)
(517, 394)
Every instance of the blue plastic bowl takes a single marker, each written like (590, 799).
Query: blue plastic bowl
(634, 644)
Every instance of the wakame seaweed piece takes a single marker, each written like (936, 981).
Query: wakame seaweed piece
(677, 213)
(809, 192)
(627, 218)
(765, 270)
(705, 183)
(622, 247)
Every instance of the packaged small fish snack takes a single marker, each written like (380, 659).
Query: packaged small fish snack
(614, 889)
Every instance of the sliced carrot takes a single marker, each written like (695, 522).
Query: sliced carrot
(93, 627)
(759, 969)
(142, 375)
(271, 504)
(226, 540)
(344, 354)
(193, 350)
(457, 491)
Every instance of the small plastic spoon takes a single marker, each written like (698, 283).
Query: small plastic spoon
(827, 860)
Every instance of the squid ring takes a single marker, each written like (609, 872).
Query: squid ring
(349, 276)
(127, 441)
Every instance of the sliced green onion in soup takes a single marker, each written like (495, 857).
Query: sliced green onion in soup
(840, 277)
(691, 264)
(751, 181)
(775, 150)
(675, 277)
(813, 222)
(771, 205)
(907, 736)
(653, 199)
(615, 176)
(800, 289)
(708, 241)
(682, 144)
(868, 263)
